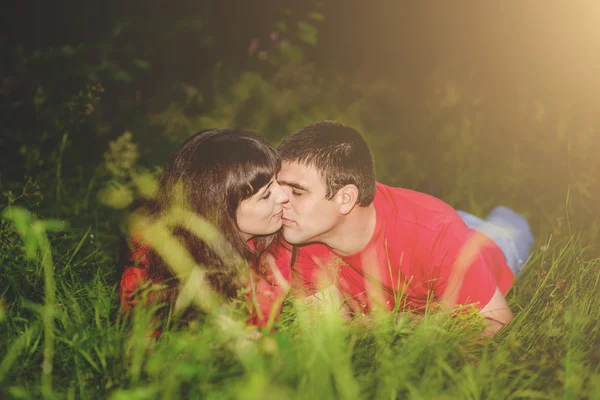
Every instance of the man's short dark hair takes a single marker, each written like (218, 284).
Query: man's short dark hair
(338, 152)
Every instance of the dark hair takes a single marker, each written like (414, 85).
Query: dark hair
(216, 170)
(338, 152)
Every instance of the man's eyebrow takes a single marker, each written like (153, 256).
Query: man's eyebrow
(293, 185)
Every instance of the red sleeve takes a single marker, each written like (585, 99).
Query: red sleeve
(314, 268)
(309, 269)
(269, 290)
(268, 298)
(463, 270)
(134, 275)
(131, 281)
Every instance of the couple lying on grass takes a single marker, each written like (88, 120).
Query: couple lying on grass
(310, 217)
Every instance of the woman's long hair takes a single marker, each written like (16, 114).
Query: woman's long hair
(214, 171)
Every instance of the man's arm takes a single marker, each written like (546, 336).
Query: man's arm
(466, 273)
(496, 312)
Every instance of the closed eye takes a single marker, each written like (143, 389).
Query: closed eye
(295, 189)
(267, 191)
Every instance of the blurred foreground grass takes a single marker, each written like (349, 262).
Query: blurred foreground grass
(549, 351)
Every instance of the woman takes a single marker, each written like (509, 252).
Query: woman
(227, 178)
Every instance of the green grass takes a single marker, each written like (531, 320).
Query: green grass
(549, 350)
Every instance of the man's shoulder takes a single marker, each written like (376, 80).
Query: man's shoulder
(412, 207)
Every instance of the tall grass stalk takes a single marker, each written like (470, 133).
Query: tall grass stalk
(59, 160)
(33, 232)
(49, 305)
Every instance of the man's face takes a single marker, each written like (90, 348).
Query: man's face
(308, 216)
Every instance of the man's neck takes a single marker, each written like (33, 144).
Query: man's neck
(355, 232)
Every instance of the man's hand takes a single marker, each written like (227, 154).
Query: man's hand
(324, 301)
(496, 312)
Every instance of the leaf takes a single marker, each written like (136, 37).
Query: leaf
(186, 371)
(22, 220)
(120, 27)
(17, 392)
(68, 50)
(145, 392)
(281, 26)
(142, 64)
(316, 16)
(294, 53)
(146, 184)
(54, 225)
(123, 76)
(116, 196)
(307, 33)
(529, 394)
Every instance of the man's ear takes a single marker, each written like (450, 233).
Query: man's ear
(347, 198)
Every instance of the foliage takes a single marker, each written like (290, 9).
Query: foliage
(33, 233)
(293, 35)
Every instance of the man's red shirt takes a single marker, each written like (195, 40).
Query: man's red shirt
(420, 250)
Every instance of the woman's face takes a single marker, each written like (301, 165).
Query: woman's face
(261, 214)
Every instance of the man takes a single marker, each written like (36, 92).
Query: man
(389, 247)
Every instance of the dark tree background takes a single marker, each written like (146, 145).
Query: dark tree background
(511, 63)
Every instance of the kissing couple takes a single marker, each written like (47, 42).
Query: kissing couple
(310, 217)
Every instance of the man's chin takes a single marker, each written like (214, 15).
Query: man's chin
(290, 237)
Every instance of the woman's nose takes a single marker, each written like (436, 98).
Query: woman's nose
(283, 196)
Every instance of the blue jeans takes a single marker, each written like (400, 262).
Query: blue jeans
(509, 230)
